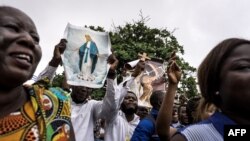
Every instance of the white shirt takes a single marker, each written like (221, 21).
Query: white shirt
(117, 128)
(49, 72)
(83, 116)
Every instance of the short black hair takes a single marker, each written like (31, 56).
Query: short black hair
(156, 97)
(131, 92)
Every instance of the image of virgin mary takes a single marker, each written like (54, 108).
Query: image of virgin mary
(88, 54)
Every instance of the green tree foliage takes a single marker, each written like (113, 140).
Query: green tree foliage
(58, 80)
(98, 94)
(133, 38)
(136, 37)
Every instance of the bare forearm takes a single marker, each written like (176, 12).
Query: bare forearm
(165, 113)
(54, 62)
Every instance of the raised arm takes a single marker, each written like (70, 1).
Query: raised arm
(165, 113)
(115, 94)
(109, 97)
(50, 70)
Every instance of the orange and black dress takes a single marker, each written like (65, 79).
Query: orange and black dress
(45, 116)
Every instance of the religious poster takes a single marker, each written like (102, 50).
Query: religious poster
(156, 68)
(152, 79)
(85, 57)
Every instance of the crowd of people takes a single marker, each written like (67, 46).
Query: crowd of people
(42, 112)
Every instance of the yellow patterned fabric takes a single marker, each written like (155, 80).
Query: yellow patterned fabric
(46, 116)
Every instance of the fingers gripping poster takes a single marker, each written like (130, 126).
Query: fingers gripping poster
(85, 57)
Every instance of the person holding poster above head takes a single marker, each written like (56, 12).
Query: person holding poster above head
(88, 54)
(84, 111)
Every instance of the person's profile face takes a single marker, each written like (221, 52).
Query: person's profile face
(20, 51)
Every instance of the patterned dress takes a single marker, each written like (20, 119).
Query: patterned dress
(45, 116)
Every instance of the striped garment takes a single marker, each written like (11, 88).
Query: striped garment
(211, 129)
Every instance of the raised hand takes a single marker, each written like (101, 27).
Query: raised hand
(58, 50)
(113, 61)
(173, 70)
(164, 117)
(139, 68)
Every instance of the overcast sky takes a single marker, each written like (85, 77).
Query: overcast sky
(199, 24)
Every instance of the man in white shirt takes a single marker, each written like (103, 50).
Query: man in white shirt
(120, 110)
(84, 112)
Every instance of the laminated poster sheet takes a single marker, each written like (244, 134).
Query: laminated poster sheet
(85, 57)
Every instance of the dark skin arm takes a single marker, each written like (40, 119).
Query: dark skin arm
(139, 68)
(59, 49)
(112, 60)
(55, 62)
(165, 113)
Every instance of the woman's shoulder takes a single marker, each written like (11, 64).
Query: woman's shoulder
(51, 106)
(204, 130)
(50, 100)
(43, 87)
